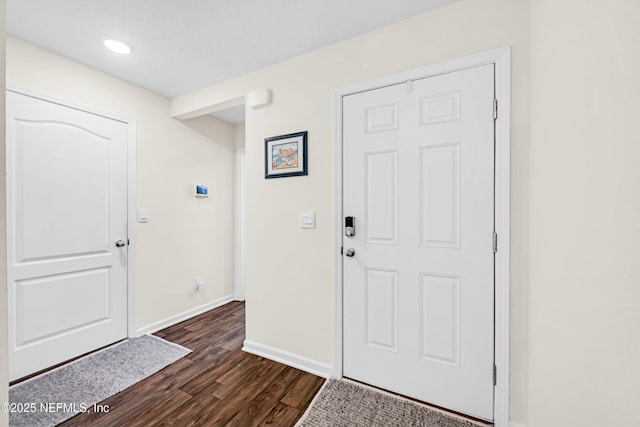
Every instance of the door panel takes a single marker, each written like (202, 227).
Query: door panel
(54, 179)
(67, 191)
(41, 319)
(440, 319)
(381, 298)
(440, 195)
(381, 194)
(418, 293)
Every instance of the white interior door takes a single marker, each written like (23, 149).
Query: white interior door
(67, 232)
(419, 287)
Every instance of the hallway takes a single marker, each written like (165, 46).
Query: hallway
(216, 385)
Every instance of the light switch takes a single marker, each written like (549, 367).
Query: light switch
(307, 220)
(143, 215)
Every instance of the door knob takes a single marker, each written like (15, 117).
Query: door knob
(349, 252)
(121, 243)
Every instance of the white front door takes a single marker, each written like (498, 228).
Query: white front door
(418, 288)
(66, 230)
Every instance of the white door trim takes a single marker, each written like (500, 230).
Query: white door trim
(501, 57)
(131, 188)
(239, 225)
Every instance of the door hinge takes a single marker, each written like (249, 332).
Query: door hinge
(495, 242)
(495, 109)
(495, 375)
(128, 242)
(341, 250)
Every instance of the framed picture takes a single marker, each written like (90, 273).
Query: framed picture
(285, 155)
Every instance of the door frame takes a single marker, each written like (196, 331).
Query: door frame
(501, 57)
(239, 196)
(131, 186)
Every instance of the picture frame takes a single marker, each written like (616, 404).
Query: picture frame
(285, 155)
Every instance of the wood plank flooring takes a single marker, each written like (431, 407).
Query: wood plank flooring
(216, 385)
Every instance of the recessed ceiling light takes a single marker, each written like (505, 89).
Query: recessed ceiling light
(117, 47)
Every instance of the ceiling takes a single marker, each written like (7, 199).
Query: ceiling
(184, 45)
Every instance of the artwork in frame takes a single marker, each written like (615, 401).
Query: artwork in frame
(285, 155)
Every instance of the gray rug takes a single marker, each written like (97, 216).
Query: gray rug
(58, 395)
(344, 403)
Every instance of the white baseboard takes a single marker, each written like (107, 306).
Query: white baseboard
(294, 360)
(169, 321)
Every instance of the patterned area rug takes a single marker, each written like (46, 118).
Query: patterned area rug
(57, 395)
(344, 403)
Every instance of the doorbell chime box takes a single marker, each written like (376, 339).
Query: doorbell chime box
(202, 190)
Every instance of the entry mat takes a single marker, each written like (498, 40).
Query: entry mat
(57, 395)
(346, 403)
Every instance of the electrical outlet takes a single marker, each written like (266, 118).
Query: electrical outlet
(199, 283)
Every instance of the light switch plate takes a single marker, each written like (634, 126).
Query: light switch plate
(143, 215)
(307, 220)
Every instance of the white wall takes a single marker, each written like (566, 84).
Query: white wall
(289, 272)
(585, 213)
(185, 237)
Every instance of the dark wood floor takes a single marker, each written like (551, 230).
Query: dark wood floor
(216, 385)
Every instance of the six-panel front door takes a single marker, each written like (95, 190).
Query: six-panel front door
(67, 232)
(418, 287)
